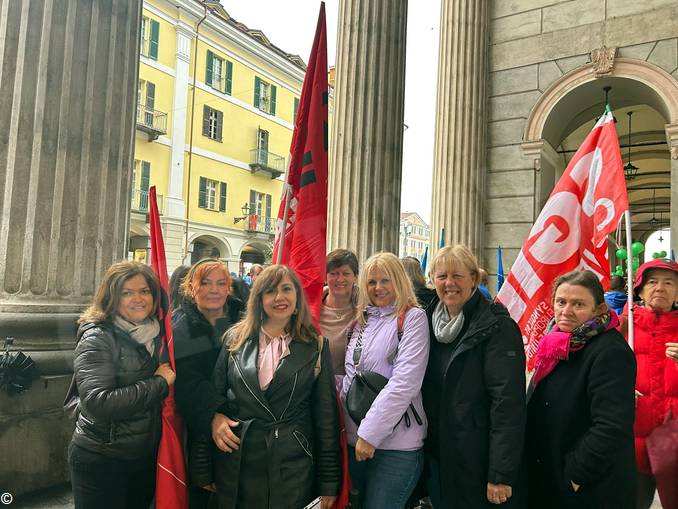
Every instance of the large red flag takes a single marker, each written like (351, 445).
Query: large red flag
(570, 232)
(302, 239)
(170, 490)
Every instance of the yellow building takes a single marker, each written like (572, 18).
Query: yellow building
(218, 171)
(415, 235)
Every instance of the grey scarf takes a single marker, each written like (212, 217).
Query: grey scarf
(143, 333)
(445, 327)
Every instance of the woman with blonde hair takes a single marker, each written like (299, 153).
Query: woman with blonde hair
(389, 342)
(474, 391)
(206, 312)
(275, 384)
(121, 384)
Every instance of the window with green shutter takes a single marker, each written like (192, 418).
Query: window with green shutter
(222, 197)
(154, 40)
(202, 193)
(271, 106)
(229, 77)
(212, 123)
(257, 91)
(209, 67)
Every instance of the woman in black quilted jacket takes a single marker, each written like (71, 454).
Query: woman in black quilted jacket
(112, 455)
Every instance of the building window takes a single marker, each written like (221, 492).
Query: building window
(212, 195)
(141, 183)
(146, 94)
(264, 96)
(262, 147)
(212, 123)
(150, 35)
(260, 212)
(219, 74)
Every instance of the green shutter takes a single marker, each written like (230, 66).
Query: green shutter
(272, 101)
(145, 175)
(229, 77)
(205, 120)
(202, 193)
(253, 201)
(220, 124)
(268, 206)
(155, 35)
(222, 197)
(150, 95)
(257, 91)
(296, 110)
(210, 67)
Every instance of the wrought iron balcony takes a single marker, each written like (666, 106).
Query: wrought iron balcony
(140, 201)
(259, 224)
(151, 121)
(263, 160)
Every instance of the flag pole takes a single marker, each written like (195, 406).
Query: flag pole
(629, 274)
(283, 227)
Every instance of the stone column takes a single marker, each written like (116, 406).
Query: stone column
(68, 80)
(672, 139)
(460, 145)
(366, 160)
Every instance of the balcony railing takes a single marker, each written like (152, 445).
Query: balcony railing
(140, 201)
(259, 224)
(151, 121)
(263, 160)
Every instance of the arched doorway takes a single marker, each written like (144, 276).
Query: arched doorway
(207, 246)
(566, 112)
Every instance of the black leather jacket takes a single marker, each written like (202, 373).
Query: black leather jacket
(120, 397)
(289, 450)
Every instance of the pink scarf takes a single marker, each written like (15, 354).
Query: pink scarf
(557, 345)
(271, 351)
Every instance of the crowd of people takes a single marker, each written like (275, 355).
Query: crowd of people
(430, 379)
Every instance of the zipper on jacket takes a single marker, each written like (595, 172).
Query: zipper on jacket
(237, 366)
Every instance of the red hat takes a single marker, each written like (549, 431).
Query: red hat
(659, 263)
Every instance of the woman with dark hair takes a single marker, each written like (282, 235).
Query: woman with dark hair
(339, 302)
(655, 326)
(413, 270)
(175, 283)
(207, 311)
(579, 440)
(474, 391)
(275, 384)
(112, 455)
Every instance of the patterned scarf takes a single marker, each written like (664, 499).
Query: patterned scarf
(557, 345)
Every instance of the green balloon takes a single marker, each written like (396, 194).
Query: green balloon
(621, 254)
(656, 255)
(663, 254)
(635, 263)
(637, 248)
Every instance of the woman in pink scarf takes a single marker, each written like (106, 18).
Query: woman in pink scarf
(579, 442)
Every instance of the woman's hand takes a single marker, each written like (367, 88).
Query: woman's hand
(165, 371)
(672, 351)
(327, 502)
(363, 450)
(222, 434)
(498, 493)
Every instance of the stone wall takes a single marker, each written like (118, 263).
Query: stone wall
(532, 44)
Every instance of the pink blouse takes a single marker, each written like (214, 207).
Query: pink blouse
(271, 351)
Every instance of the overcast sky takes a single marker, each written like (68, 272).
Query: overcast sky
(291, 26)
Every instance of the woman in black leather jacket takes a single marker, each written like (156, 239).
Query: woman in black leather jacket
(112, 455)
(207, 311)
(275, 383)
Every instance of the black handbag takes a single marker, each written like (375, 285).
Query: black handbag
(366, 385)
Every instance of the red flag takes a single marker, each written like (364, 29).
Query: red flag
(302, 239)
(170, 490)
(570, 232)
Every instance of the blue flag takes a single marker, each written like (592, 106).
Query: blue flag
(424, 260)
(442, 238)
(500, 269)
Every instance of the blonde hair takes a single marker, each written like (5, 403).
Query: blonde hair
(198, 272)
(456, 256)
(300, 326)
(107, 296)
(389, 264)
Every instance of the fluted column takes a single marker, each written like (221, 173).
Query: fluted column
(460, 144)
(68, 80)
(366, 156)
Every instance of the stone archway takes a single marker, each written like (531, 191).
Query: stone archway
(204, 246)
(635, 82)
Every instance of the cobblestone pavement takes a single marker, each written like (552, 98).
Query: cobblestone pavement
(62, 498)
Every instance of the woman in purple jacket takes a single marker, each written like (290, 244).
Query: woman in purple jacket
(390, 337)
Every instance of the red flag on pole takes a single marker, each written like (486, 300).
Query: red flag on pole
(170, 490)
(302, 218)
(570, 233)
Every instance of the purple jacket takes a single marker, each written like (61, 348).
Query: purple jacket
(409, 358)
